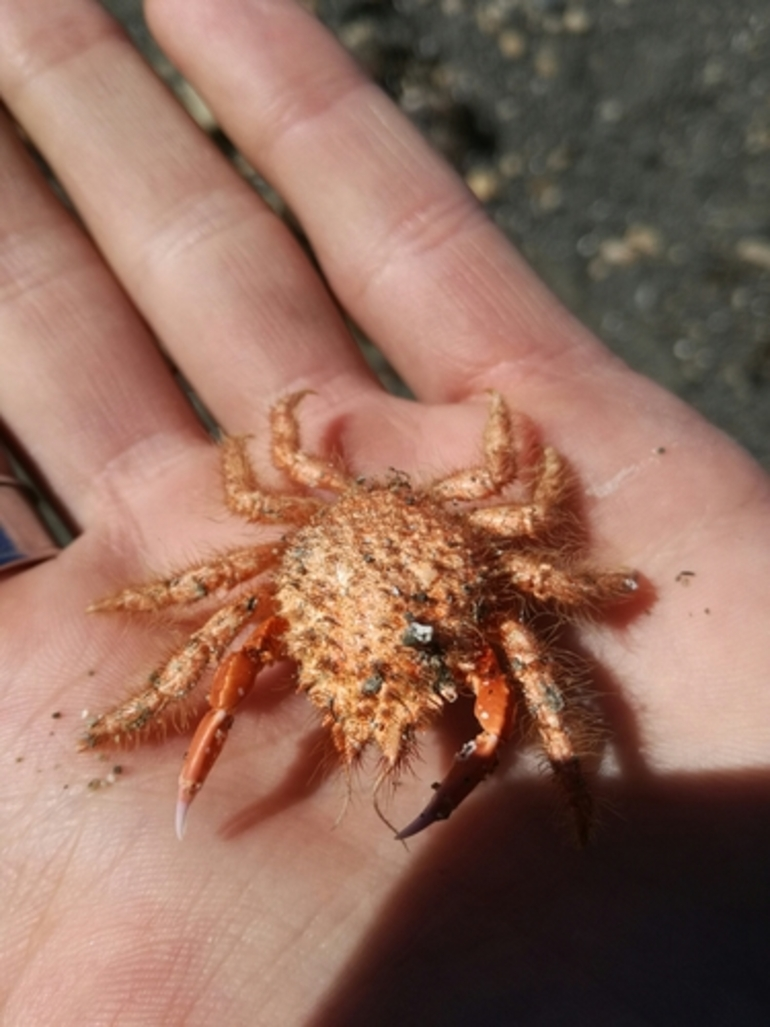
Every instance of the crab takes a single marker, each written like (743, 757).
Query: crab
(391, 599)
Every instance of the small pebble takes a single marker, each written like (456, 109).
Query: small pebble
(576, 21)
(547, 62)
(484, 183)
(513, 44)
(754, 251)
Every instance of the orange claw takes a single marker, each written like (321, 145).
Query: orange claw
(205, 748)
(495, 711)
(232, 682)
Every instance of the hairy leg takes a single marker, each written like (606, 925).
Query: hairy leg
(499, 467)
(537, 575)
(194, 584)
(245, 496)
(538, 675)
(173, 682)
(534, 517)
(302, 468)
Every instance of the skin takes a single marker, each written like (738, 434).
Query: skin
(266, 914)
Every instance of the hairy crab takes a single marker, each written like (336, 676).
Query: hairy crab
(391, 599)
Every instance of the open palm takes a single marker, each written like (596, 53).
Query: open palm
(266, 913)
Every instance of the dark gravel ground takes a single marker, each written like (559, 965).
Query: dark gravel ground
(624, 146)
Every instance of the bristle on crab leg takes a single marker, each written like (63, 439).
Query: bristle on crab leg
(494, 710)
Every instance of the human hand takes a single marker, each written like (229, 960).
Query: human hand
(266, 914)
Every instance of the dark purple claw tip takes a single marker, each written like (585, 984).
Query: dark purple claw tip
(437, 809)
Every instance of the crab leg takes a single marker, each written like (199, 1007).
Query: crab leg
(232, 682)
(538, 676)
(580, 587)
(495, 711)
(245, 496)
(499, 467)
(173, 683)
(303, 468)
(195, 584)
(549, 491)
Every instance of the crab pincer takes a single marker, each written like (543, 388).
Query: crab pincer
(232, 682)
(495, 709)
(390, 597)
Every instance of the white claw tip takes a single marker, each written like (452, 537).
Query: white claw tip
(180, 820)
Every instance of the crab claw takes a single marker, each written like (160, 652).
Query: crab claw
(206, 746)
(495, 710)
(475, 761)
(232, 683)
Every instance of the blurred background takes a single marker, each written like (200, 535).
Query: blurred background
(622, 145)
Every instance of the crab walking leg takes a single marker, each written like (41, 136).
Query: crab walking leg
(194, 584)
(499, 467)
(537, 674)
(550, 489)
(232, 682)
(245, 496)
(535, 574)
(303, 468)
(495, 711)
(176, 680)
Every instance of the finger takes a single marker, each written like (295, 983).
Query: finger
(218, 276)
(404, 245)
(81, 381)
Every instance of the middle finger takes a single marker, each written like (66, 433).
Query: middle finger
(215, 272)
